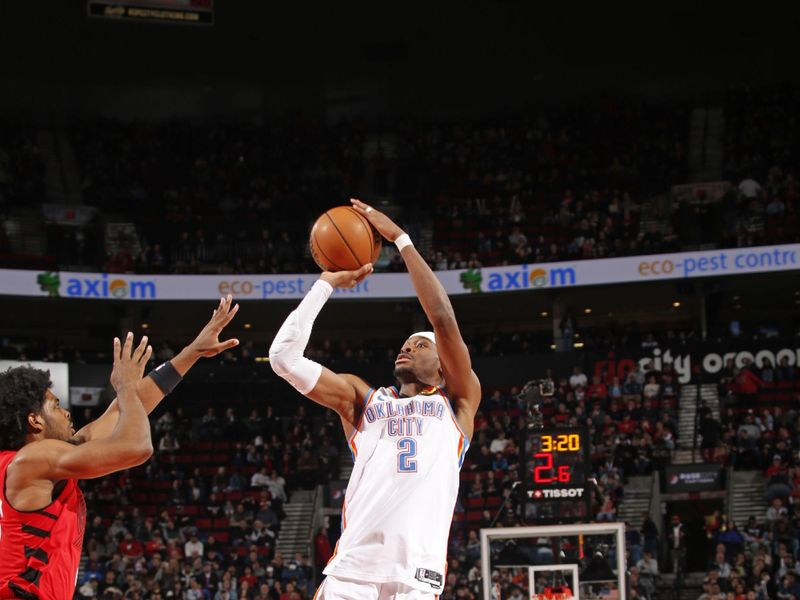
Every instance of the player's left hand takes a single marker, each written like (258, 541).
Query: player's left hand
(207, 341)
(385, 226)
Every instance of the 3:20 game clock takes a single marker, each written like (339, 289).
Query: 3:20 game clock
(556, 469)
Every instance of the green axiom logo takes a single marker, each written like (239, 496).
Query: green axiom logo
(91, 285)
(49, 283)
(471, 280)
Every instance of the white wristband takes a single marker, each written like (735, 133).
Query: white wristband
(403, 241)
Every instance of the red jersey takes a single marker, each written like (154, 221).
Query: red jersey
(41, 549)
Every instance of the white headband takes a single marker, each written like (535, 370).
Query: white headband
(428, 335)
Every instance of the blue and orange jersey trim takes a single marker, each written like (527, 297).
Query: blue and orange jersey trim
(463, 440)
(351, 442)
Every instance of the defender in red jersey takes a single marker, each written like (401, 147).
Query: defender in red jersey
(42, 511)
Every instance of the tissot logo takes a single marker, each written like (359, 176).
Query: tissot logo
(556, 493)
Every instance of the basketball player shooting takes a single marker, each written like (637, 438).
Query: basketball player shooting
(408, 442)
(42, 511)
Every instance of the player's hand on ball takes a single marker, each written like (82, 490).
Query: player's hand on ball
(207, 341)
(385, 226)
(347, 279)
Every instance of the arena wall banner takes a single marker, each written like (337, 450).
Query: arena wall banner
(189, 12)
(516, 278)
(691, 361)
(693, 478)
(654, 267)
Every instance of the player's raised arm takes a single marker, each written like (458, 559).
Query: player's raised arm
(162, 380)
(342, 393)
(462, 383)
(129, 444)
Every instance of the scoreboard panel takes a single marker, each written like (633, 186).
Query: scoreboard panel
(556, 469)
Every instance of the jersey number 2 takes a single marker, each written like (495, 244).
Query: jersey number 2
(408, 450)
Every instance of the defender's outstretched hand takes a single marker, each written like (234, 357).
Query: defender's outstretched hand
(129, 363)
(385, 226)
(207, 341)
(149, 393)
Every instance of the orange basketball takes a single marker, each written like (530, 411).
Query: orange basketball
(343, 240)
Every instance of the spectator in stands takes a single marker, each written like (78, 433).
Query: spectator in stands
(765, 421)
(615, 389)
(747, 453)
(710, 431)
(750, 425)
(598, 569)
(168, 443)
(195, 592)
(648, 566)
(578, 378)
(322, 550)
(631, 389)
(640, 587)
(260, 479)
(209, 424)
(749, 188)
(117, 527)
(789, 588)
(260, 534)
(777, 475)
(776, 511)
(165, 423)
(721, 566)
(236, 483)
(597, 390)
(676, 535)
(652, 389)
(500, 463)
(499, 443)
(267, 515)
(276, 486)
(131, 548)
(89, 589)
(669, 388)
(747, 385)
(230, 425)
(193, 548)
(731, 540)
(785, 371)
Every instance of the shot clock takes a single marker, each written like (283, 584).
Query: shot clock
(556, 469)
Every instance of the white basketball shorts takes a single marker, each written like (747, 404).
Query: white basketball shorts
(338, 588)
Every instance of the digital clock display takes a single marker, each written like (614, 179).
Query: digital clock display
(563, 442)
(556, 471)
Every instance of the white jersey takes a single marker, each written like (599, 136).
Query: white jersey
(401, 494)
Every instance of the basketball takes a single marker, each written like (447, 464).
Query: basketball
(343, 240)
